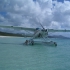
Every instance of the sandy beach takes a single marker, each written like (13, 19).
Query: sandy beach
(6, 36)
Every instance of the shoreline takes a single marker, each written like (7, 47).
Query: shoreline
(4, 36)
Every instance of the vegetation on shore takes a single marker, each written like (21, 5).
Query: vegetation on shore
(10, 34)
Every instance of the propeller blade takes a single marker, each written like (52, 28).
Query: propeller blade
(40, 24)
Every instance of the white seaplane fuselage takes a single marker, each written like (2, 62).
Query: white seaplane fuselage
(39, 34)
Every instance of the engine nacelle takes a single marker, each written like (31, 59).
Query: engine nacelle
(39, 33)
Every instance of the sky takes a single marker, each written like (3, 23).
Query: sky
(28, 13)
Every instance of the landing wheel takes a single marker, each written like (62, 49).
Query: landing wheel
(32, 42)
(26, 42)
(55, 43)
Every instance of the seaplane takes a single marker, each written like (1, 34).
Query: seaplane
(37, 34)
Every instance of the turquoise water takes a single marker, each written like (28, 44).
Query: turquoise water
(15, 56)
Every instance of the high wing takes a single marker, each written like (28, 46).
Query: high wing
(13, 34)
(19, 28)
(33, 29)
(53, 30)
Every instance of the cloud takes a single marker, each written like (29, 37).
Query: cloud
(61, 14)
(27, 13)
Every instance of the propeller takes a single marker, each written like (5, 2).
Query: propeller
(40, 23)
(42, 26)
(45, 30)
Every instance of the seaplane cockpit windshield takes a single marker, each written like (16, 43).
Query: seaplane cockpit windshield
(38, 29)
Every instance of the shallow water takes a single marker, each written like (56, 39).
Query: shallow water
(16, 56)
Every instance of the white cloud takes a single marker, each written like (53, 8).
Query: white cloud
(55, 25)
(28, 13)
(61, 14)
(1, 18)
